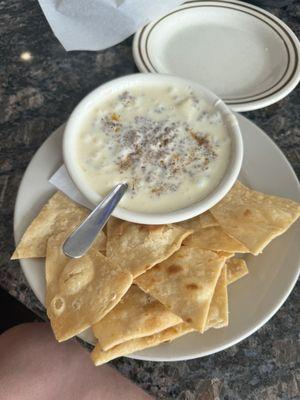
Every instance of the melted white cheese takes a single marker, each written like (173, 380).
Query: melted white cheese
(171, 146)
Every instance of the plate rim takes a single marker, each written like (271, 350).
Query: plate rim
(217, 349)
(139, 51)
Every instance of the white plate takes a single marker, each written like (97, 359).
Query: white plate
(244, 54)
(252, 300)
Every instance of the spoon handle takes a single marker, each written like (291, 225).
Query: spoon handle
(77, 244)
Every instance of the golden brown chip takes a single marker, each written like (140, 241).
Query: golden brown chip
(136, 248)
(59, 214)
(137, 315)
(254, 218)
(218, 310)
(236, 269)
(102, 243)
(205, 220)
(100, 356)
(217, 318)
(80, 291)
(214, 238)
(185, 283)
(225, 254)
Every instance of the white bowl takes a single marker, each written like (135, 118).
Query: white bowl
(126, 83)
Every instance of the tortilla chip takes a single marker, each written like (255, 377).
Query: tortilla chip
(80, 291)
(58, 214)
(218, 310)
(225, 254)
(214, 238)
(100, 356)
(136, 248)
(205, 220)
(254, 218)
(185, 283)
(137, 315)
(102, 243)
(236, 269)
(217, 318)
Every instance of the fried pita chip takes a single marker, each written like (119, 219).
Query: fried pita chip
(136, 248)
(100, 356)
(218, 310)
(254, 218)
(137, 315)
(59, 214)
(205, 220)
(214, 238)
(80, 291)
(185, 283)
(236, 269)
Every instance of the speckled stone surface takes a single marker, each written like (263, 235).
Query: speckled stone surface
(36, 97)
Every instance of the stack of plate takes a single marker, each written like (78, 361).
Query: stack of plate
(244, 54)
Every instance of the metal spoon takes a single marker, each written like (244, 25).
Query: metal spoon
(77, 244)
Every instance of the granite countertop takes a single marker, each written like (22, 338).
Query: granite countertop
(37, 96)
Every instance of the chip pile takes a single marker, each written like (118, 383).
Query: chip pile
(141, 285)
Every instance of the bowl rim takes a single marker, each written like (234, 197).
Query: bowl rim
(222, 188)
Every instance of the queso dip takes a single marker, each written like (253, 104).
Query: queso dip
(169, 144)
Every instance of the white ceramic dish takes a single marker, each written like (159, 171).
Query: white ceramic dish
(244, 54)
(252, 301)
(151, 80)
